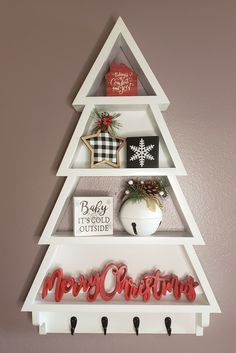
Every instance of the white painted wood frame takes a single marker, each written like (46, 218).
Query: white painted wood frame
(191, 235)
(66, 168)
(120, 37)
(200, 313)
(55, 317)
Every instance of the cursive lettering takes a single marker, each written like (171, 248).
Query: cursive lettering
(99, 208)
(154, 285)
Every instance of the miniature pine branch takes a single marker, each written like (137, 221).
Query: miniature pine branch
(153, 191)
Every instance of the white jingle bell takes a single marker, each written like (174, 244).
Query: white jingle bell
(138, 219)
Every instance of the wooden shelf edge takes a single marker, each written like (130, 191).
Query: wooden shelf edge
(168, 237)
(121, 172)
(133, 308)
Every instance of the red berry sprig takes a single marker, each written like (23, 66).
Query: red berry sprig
(106, 122)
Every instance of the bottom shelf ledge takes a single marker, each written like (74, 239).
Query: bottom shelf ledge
(122, 323)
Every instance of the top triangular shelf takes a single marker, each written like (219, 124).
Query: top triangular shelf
(120, 46)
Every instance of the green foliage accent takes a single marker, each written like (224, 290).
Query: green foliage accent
(153, 191)
(136, 192)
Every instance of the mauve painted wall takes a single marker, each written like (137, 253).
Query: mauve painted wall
(47, 49)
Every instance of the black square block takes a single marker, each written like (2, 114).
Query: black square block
(143, 152)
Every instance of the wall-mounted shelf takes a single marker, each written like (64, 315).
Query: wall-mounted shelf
(170, 251)
(181, 258)
(161, 237)
(190, 234)
(120, 47)
(123, 172)
(147, 119)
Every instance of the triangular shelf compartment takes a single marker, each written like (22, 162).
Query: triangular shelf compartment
(190, 233)
(120, 47)
(176, 259)
(137, 119)
(117, 56)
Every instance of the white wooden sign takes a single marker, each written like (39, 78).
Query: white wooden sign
(93, 216)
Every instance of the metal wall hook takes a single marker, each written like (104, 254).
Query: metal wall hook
(168, 325)
(136, 322)
(104, 321)
(73, 323)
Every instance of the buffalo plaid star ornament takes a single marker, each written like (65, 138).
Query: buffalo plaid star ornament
(104, 148)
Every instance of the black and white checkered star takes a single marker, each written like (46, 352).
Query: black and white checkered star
(104, 148)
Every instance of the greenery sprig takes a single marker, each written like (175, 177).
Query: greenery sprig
(106, 122)
(153, 191)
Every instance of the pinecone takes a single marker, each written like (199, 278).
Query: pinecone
(151, 187)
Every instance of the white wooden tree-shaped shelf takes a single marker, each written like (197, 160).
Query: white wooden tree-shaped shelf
(169, 250)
